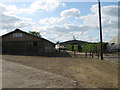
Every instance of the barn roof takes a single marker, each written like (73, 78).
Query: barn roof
(27, 34)
(73, 41)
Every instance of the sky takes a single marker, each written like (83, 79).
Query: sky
(60, 21)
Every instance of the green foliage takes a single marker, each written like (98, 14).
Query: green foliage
(104, 47)
(69, 47)
(89, 47)
(86, 47)
(74, 47)
(94, 47)
(35, 33)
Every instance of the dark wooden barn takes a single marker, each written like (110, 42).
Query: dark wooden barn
(23, 43)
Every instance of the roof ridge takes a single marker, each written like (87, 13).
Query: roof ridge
(26, 33)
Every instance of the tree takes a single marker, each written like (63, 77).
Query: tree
(90, 48)
(35, 33)
(86, 47)
(95, 48)
(105, 47)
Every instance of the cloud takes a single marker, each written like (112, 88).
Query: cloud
(2, 32)
(9, 9)
(109, 17)
(73, 12)
(11, 22)
(90, 20)
(90, 23)
(52, 20)
(64, 32)
(94, 8)
(109, 20)
(111, 11)
(47, 5)
(58, 28)
(66, 28)
(9, 19)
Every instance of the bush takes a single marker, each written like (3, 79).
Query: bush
(74, 47)
(69, 47)
(94, 47)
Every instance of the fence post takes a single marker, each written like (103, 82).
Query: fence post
(86, 53)
(92, 55)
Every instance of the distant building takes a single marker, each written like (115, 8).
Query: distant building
(59, 47)
(71, 42)
(23, 43)
(63, 45)
(114, 43)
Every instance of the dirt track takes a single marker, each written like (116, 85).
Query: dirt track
(20, 76)
(87, 71)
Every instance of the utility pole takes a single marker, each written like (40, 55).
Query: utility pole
(101, 46)
(73, 47)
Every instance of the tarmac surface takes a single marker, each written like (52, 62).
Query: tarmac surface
(16, 75)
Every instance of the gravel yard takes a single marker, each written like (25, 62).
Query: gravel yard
(91, 72)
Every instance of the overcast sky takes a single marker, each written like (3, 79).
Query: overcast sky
(60, 21)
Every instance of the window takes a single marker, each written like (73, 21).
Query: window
(17, 34)
(35, 44)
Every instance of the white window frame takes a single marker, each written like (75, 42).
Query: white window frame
(17, 34)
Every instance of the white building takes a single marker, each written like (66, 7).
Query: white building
(114, 43)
